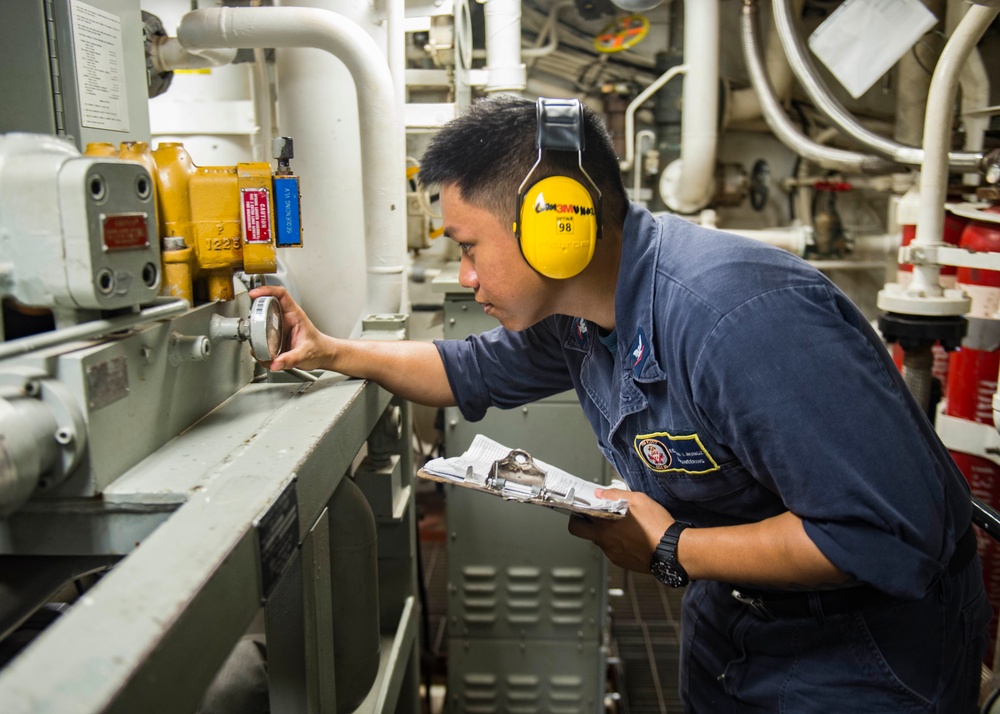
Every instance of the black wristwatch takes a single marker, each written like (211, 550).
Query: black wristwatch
(665, 567)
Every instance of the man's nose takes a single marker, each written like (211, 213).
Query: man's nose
(467, 276)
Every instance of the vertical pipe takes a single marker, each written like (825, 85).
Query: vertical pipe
(351, 187)
(505, 71)
(937, 140)
(689, 183)
(913, 83)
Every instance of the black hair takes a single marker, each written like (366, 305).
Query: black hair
(487, 152)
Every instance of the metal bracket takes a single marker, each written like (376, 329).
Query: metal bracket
(517, 467)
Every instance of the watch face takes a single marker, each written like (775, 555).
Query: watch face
(667, 575)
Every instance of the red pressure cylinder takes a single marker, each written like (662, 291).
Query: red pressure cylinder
(972, 381)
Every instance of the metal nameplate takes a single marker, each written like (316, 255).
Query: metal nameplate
(107, 382)
(277, 538)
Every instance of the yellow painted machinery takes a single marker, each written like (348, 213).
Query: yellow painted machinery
(216, 220)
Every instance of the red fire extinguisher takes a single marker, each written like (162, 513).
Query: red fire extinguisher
(972, 381)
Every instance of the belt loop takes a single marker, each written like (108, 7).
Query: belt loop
(816, 607)
(755, 604)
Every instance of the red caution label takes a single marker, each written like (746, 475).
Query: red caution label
(124, 231)
(256, 215)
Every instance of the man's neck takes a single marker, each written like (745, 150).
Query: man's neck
(591, 295)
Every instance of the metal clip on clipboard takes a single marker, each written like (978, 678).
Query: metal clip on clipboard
(518, 473)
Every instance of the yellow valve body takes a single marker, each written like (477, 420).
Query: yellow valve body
(223, 213)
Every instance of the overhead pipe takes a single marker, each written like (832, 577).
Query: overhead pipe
(937, 140)
(688, 180)
(549, 33)
(913, 80)
(167, 54)
(383, 180)
(744, 104)
(817, 90)
(504, 70)
(777, 120)
(975, 85)
(626, 163)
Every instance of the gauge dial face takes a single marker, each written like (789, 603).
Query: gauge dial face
(266, 328)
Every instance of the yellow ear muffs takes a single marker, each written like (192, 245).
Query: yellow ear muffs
(557, 227)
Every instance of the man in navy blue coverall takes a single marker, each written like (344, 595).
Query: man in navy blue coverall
(773, 454)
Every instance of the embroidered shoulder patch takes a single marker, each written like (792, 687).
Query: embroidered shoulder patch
(581, 332)
(666, 453)
(639, 352)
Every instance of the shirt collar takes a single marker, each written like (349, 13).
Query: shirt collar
(635, 295)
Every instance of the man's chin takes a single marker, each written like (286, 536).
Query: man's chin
(514, 324)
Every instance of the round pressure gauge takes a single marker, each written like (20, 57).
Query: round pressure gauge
(266, 331)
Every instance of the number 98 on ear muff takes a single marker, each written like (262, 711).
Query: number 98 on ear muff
(557, 227)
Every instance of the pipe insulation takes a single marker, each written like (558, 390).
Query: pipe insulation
(744, 104)
(817, 90)
(777, 120)
(688, 187)
(167, 54)
(383, 178)
(937, 138)
(504, 70)
(626, 163)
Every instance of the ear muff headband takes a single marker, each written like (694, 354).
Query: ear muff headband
(558, 223)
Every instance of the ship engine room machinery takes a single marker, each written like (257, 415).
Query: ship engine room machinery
(163, 497)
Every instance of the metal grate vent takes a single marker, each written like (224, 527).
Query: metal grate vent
(524, 586)
(480, 693)
(479, 595)
(568, 590)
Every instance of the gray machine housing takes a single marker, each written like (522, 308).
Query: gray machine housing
(527, 602)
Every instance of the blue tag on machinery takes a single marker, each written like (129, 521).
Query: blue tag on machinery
(287, 212)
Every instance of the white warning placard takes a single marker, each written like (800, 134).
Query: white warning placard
(862, 39)
(100, 68)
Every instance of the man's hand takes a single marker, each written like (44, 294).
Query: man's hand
(628, 542)
(304, 345)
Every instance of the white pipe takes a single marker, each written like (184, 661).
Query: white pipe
(779, 123)
(263, 106)
(504, 70)
(626, 163)
(550, 30)
(937, 140)
(794, 239)
(263, 102)
(650, 136)
(975, 84)
(383, 177)
(396, 55)
(167, 54)
(692, 188)
(815, 87)
(744, 104)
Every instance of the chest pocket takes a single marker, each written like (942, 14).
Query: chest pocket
(681, 463)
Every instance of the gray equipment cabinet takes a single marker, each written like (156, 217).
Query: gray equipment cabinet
(527, 602)
(260, 506)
